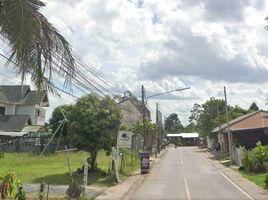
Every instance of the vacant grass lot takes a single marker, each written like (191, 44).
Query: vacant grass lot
(258, 179)
(53, 168)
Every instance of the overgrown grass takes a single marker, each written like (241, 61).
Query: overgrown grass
(258, 179)
(33, 196)
(53, 168)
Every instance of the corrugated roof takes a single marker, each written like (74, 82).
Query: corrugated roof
(184, 135)
(20, 95)
(33, 97)
(33, 129)
(13, 93)
(234, 121)
(11, 123)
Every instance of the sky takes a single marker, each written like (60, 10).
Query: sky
(169, 44)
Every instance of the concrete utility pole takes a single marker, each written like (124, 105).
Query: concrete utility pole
(158, 131)
(143, 117)
(228, 126)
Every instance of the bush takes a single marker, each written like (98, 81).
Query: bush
(253, 160)
(266, 180)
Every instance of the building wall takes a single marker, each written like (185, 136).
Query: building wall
(130, 114)
(254, 121)
(9, 108)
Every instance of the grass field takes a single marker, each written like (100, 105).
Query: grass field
(53, 168)
(258, 179)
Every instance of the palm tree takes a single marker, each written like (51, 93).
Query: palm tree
(37, 47)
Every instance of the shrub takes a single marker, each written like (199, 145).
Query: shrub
(266, 180)
(253, 160)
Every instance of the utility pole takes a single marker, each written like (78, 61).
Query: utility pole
(143, 117)
(228, 126)
(157, 126)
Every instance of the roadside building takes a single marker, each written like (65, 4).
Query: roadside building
(245, 130)
(17, 100)
(185, 139)
(132, 112)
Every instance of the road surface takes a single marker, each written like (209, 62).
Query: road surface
(184, 173)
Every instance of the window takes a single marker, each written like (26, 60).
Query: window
(2, 110)
(37, 112)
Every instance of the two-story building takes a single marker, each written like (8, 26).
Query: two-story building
(132, 112)
(17, 101)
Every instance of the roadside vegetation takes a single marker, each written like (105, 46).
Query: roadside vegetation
(53, 169)
(255, 165)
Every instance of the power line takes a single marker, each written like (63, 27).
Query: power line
(44, 80)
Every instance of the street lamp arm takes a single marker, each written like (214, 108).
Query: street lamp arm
(168, 92)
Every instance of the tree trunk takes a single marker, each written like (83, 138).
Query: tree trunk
(92, 161)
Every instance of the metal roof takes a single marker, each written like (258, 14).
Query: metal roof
(33, 129)
(13, 134)
(184, 135)
(13, 123)
(231, 122)
(19, 94)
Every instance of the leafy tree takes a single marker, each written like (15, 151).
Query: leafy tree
(173, 124)
(36, 45)
(150, 128)
(127, 95)
(194, 118)
(94, 124)
(254, 107)
(212, 114)
(57, 117)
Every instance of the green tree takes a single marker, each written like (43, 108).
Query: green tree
(150, 128)
(57, 117)
(173, 123)
(211, 114)
(94, 124)
(254, 107)
(36, 45)
(194, 118)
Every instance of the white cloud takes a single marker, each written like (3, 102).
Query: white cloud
(169, 44)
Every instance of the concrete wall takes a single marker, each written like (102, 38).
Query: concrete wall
(130, 114)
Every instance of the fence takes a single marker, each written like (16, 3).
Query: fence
(237, 155)
(30, 144)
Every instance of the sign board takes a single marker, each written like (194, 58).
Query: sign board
(145, 162)
(124, 139)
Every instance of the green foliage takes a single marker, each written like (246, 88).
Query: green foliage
(204, 118)
(36, 45)
(253, 160)
(10, 186)
(94, 124)
(173, 124)
(150, 128)
(254, 107)
(41, 191)
(266, 180)
(57, 117)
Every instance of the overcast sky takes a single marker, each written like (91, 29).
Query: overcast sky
(170, 44)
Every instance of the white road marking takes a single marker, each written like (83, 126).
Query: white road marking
(240, 189)
(188, 195)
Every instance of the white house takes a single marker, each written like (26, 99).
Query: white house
(16, 100)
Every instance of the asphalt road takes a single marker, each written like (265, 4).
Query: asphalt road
(184, 173)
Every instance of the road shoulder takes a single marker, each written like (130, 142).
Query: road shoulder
(247, 186)
(123, 191)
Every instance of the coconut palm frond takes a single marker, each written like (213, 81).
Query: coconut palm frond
(36, 45)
